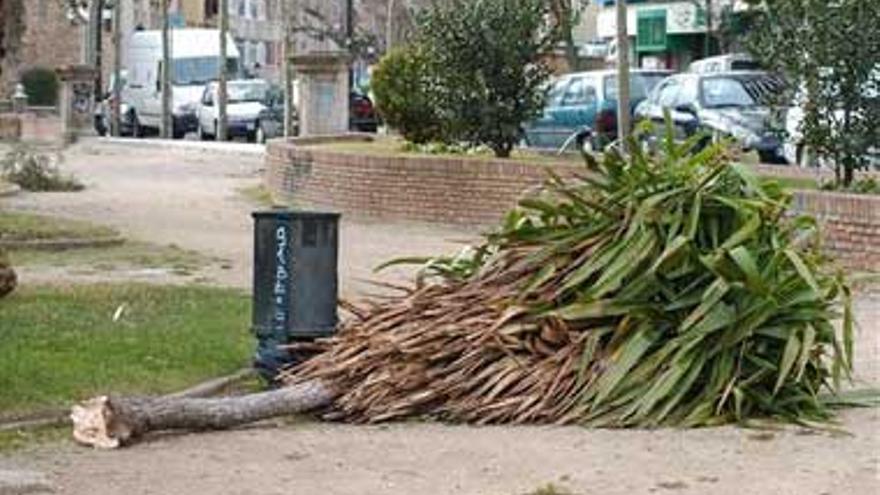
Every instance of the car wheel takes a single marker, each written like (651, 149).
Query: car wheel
(200, 132)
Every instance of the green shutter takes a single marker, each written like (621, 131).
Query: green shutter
(651, 35)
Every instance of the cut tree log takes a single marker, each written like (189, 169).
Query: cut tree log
(110, 422)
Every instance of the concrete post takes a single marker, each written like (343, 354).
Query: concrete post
(324, 93)
(76, 101)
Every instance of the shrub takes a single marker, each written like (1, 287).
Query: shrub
(41, 85)
(36, 172)
(402, 86)
(487, 56)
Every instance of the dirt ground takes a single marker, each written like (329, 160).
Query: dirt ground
(194, 200)
(191, 200)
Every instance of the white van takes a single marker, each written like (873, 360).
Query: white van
(195, 58)
(725, 63)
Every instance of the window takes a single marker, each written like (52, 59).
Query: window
(242, 8)
(640, 85)
(212, 8)
(261, 53)
(651, 30)
(270, 53)
(579, 92)
(667, 94)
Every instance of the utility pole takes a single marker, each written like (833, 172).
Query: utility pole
(349, 41)
(93, 44)
(389, 26)
(623, 107)
(289, 10)
(221, 131)
(167, 120)
(117, 69)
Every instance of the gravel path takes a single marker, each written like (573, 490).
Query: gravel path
(191, 200)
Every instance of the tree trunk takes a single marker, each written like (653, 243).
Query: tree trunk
(111, 422)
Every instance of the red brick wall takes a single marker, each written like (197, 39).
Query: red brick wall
(463, 191)
(472, 191)
(850, 225)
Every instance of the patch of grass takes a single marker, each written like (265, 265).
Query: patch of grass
(549, 489)
(258, 195)
(20, 226)
(127, 256)
(61, 344)
(14, 440)
(807, 183)
(398, 147)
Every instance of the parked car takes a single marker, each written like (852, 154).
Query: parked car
(729, 104)
(245, 100)
(724, 63)
(363, 116)
(195, 62)
(270, 121)
(586, 99)
(104, 109)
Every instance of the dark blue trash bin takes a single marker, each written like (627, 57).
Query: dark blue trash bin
(295, 283)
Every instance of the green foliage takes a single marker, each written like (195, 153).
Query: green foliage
(868, 185)
(696, 299)
(35, 172)
(41, 86)
(473, 73)
(406, 97)
(487, 57)
(830, 53)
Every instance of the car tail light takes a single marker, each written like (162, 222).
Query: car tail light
(606, 122)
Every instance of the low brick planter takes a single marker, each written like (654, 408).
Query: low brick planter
(476, 192)
(463, 191)
(850, 225)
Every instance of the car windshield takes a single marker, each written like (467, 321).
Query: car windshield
(640, 86)
(201, 70)
(247, 92)
(728, 91)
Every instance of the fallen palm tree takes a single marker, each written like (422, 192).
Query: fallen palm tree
(653, 290)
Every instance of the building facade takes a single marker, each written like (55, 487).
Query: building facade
(668, 34)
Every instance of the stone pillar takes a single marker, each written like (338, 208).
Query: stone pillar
(76, 101)
(324, 92)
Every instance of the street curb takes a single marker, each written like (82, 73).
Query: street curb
(240, 149)
(62, 244)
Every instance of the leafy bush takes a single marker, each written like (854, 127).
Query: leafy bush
(41, 86)
(472, 75)
(36, 172)
(405, 99)
(829, 51)
(487, 55)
